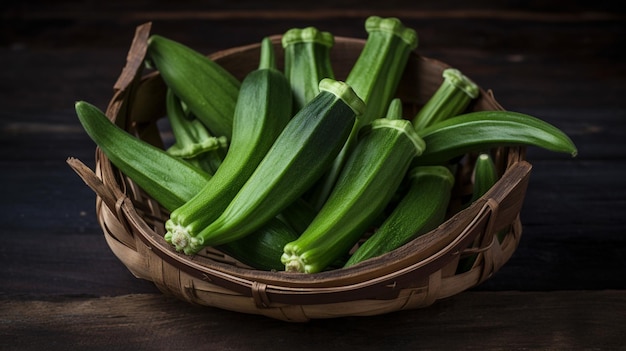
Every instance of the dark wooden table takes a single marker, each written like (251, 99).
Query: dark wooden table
(62, 288)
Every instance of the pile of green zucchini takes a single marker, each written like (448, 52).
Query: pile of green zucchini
(287, 169)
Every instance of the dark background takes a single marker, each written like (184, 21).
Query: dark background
(561, 61)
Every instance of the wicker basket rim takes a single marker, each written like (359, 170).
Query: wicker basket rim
(415, 261)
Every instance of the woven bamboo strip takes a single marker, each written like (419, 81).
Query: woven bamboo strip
(413, 276)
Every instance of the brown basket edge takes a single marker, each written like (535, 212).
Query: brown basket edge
(235, 277)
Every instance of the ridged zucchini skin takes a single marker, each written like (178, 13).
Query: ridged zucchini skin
(482, 130)
(209, 91)
(262, 112)
(365, 186)
(307, 62)
(377, 72)
(172, 182)
(451, 99)
(484, 175)
(420, 210)
(262, 248)
(194, 143)
(167, 179)
(298, 215)
(374, 77)
(299, 156)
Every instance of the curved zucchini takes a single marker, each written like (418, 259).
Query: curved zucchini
(263, 110)
(167, 179)
(368, 181)
(451, 99)
(209, 91)
(299, 156)
(374, 77)
(482, 130)
(376, 73)
(259, 249)
(194, 143)
(298, 215)
(172, 182)
(421, 209)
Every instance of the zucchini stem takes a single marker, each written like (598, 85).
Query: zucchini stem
(374, 77)
(268, 58)
(207, 89)
(194, 142)
(307, 62)
(395, 109)
(370, 178)
(180, 237)
(451, 98)
(294, 263)
(263, 110)
(301, 153)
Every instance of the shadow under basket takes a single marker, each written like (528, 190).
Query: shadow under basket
(413, 276)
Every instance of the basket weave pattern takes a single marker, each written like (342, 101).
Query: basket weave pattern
(413, 276)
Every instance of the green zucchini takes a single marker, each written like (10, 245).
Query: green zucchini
(374, 77)
(153, 169)
(262, 248)
(482, 130)
(298, 157)
(420, 210)
(307, 62)
(377, 72)
(298, 215)
(451, 98)
(365, 186)
(262, 112)
(172, 182)
(207, 89)
(484, 177)
(194, 143)
(395, 109)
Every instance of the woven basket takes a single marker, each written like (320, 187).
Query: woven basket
(413, 276)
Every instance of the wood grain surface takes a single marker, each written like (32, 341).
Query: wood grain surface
(474, 321)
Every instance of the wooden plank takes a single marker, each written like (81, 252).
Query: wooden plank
(473, 320)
